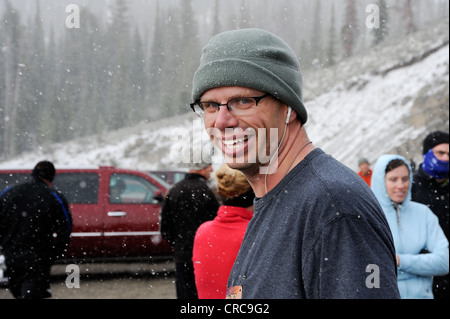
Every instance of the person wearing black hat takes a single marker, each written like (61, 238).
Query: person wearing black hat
(431, 187)
(30, 215)
(187, 205)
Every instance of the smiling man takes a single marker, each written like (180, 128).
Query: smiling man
(317, 226)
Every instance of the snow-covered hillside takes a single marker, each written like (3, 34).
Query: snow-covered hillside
(383, 101)
(372, 117)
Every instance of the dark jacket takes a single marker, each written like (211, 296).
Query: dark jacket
(428, 191)
(30, 215)
(319, 233)
(187, 205)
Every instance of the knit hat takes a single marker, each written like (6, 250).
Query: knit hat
(251, 58)
(433, 139)
(45, 170)
(363, 160)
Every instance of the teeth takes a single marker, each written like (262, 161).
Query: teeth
(234, 142)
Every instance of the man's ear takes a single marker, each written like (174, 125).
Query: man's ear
(291, 115)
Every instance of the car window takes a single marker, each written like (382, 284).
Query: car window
(177, 177)
(160, 179)
(125, 188)
(78, 188)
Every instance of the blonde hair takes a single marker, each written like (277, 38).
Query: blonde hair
(231, 182)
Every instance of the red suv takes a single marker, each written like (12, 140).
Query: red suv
(170, 177)
(116, 212)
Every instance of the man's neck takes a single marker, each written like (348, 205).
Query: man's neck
(293, 150)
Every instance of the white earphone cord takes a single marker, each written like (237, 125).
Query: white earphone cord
(278, 148)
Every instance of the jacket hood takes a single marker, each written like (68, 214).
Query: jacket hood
(233, 214)
(378, 183)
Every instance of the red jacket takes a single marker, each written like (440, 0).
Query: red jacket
(367, 178)
(216, 245)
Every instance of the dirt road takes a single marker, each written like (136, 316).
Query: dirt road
(137, 280)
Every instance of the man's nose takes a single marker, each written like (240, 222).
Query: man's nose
(224, 118)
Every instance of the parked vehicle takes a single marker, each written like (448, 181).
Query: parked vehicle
(116, 212)
(171, 177)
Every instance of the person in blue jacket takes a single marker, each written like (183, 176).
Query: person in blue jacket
(420, 244)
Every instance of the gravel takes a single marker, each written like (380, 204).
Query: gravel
(133, 280)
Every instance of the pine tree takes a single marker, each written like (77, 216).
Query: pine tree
(156, 66)
(32, 98)
(217, 27)
(350, 28)
(12, 35)
(190, 51)
(118, 36)
(408, 16)
(138, 78)
(331, 50)
(382, 32)
(316, 35)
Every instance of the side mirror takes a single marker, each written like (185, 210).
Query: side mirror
(158, 197)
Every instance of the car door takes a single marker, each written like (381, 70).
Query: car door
(82, 191)
(132, 216)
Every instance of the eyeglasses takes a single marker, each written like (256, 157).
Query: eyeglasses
(237, 106)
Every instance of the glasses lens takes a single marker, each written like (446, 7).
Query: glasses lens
(198, 109)
(242, 105)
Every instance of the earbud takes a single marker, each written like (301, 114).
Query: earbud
(288, 115)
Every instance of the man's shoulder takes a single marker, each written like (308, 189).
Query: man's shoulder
(17, 189)
(329, 188)
(330, 175)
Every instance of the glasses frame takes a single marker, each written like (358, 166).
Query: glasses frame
(198, 103)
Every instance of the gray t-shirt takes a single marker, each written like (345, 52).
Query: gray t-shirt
(320, 233)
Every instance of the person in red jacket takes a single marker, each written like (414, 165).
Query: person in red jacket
(364, 170)
(217, 242)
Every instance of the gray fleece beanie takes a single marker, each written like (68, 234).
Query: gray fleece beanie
(251, 58)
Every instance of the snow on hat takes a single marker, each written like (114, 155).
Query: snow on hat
(433, 139)
(251, 58)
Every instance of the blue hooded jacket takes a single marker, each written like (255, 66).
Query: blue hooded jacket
(419, 241)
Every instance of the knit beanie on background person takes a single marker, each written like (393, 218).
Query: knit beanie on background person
(363, 160)
(433, 139)
(431, 164)
(255, 59)
(45, 170)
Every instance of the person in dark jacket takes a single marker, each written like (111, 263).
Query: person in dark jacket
(35, 228)
(187, 205)
(431, 187)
